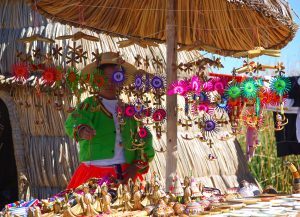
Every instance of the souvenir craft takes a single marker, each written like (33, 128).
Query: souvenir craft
(106, 199)
(127, 206)
(177, 188)
(193, 208)
(187, 190)
(137, 197)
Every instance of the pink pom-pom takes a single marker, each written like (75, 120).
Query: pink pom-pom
(208, 86)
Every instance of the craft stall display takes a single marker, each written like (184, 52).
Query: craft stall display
(211, 100)
(214, 100)
(187, 197)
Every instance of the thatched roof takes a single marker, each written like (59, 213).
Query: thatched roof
(218, 26)
(29, 22)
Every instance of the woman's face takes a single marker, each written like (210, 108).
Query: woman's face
(108, 71)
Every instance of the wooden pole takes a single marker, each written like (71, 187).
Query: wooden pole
(171, 70)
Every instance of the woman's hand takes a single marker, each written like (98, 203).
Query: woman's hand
(86, 133)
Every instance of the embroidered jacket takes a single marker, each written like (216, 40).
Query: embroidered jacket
(92, 112)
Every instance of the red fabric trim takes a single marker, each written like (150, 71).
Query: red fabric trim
(84, 172)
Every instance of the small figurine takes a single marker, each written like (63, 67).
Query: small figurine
(156, 194)
(196, 192)
(126, 198)
(30, 212)
(106, 199)
(137, 196)
(177, 189)
(119, 200)
(68, 212)
(147, 193)
(7, 212)
(87, 202)
(187, 195)
(186, 181)
(160, 209)
(201, 187)
(79, 208)
(187, 190)
(57, 206)
(98, 200)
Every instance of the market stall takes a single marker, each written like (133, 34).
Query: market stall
(182, 23)
(210, 110)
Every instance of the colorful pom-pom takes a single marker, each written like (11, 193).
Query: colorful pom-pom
(281, 85)
(159, 115)
(157, 82)
(21, 71)
(233, 91)
(249, 88)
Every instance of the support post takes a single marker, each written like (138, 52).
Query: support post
(171, 140)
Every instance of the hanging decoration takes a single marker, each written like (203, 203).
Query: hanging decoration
(210, 100)
(72, 79)
(280, 85)
(249, 88)
(20, 72)
(214, 100)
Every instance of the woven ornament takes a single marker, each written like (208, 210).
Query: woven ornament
(178, 87)
(195, 85)
(129, 111)
(20, 71)
(50, 76)
(143, 133)
(157, 82)
(118, 77)
(97, 80)
(219, 85)
(72, 78)
(159, 115)
(281, 85)
(233, 91)
(249, 88)
(138, 82)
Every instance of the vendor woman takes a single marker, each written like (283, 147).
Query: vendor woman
(105, 146)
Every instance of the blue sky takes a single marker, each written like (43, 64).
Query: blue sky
(290, 55)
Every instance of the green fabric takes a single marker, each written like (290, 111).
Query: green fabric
(103, 144)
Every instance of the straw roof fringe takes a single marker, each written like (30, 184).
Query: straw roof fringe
(268, 22)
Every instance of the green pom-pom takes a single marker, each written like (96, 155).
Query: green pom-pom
(249, 88)
(233, 91)
(281, 85)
